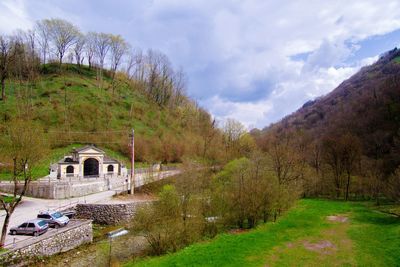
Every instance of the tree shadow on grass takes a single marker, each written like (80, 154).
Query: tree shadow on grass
(375, 217)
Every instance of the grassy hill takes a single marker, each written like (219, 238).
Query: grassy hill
(75, 109)
(359, 235)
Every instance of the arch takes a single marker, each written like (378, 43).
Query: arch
(91, 167)
(110, 168)
(70, 169)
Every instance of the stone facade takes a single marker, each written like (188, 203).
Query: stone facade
(47, 245)
(88, 161)
(110, 214)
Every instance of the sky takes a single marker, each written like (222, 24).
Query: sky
(255, 61)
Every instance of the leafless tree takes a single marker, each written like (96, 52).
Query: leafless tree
(102, 46)
(63, 35)
(118, 48)
(79, 48)
(43, 29)
(5, 55)
(232, 132)
(351, 154)
(90, 47)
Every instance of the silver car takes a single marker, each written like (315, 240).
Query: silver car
(32, 227)
(54, 218)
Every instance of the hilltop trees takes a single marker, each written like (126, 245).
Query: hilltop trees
(79, 48)
(63, 35)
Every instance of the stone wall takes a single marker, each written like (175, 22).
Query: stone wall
(47, 245)
(62, 190)
(110, 214)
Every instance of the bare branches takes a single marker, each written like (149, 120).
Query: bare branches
(62, 34)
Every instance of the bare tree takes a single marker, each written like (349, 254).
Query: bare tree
(63, 34)
(118, 48)
(24, 149)
(102, 46)
(232, 132)
(351, 154)
(5, 54)
(43, 29)
(90, 47)
(79, 48)
(332, 157)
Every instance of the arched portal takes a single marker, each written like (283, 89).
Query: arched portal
(91, 167)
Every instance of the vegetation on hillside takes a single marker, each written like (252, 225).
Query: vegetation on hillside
(350, 137)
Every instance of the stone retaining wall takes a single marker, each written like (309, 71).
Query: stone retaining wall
(110, 214)
(47, 245)
(62, 190)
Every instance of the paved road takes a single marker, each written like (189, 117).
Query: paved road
(29, 207)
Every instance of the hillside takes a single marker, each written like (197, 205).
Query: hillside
(366, 105)
(73, 109)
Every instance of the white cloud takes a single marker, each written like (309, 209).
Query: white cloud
(238, 54)
(13, 16)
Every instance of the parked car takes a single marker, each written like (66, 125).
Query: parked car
(33, 227)
(54, 218)
(69, 213)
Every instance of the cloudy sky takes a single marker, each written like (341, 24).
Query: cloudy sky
(252, 60)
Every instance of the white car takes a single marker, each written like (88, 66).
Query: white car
(54, 218)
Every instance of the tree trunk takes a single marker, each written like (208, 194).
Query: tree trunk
(4, 230)
(347, 187)
(3, 89)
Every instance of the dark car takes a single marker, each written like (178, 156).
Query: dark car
(54, 218)
(33, 227)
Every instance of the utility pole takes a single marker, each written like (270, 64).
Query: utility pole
(132, 183)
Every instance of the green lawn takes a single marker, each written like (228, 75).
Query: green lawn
(302, 237)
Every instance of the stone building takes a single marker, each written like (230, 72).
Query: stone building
(87, 162)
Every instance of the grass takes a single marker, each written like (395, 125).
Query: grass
(368, 238)
(396, 60)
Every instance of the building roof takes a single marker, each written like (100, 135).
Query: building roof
(109, 160)
(87, 147)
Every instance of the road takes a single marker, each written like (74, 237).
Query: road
(30, 207)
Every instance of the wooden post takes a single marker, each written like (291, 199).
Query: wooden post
(132, 189)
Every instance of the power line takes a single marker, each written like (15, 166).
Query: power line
(91, 142)
(91, 132)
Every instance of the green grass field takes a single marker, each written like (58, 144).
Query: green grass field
(359, 235)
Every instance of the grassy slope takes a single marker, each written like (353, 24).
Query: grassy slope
(89, 109)
(369, 238)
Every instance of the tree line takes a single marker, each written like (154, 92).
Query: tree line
(57, 40)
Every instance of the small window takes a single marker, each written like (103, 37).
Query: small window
(68, 160)
(31, 225)
(70, 169)
(23, 225)
(110, 168)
